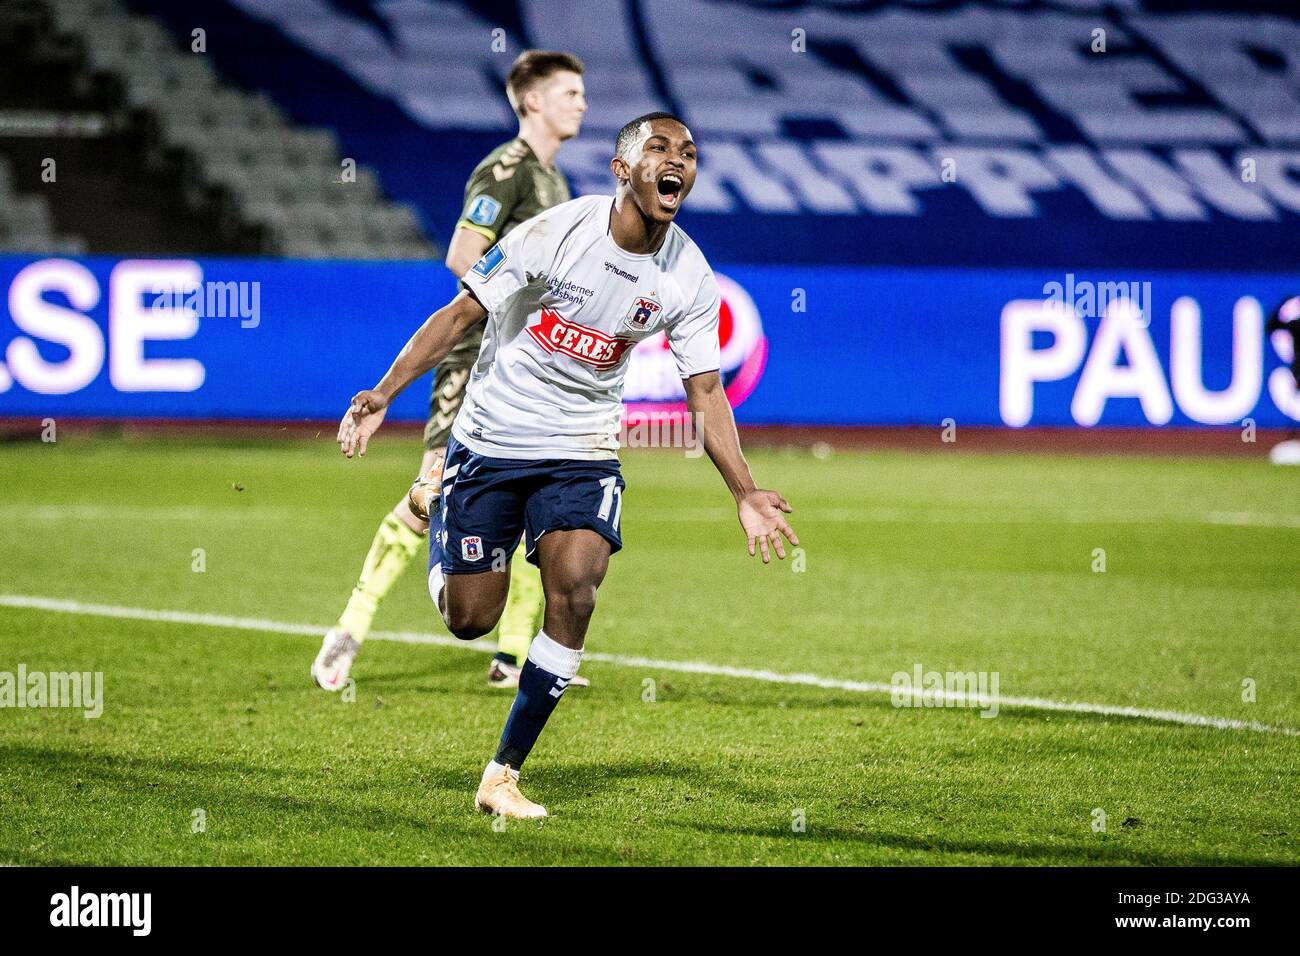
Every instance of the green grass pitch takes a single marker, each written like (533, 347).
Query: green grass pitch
(956, 562)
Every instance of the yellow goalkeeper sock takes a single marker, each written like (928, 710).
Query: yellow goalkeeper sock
(392, 550)
(522, 617)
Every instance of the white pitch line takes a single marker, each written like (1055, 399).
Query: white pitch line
(17, 513)
(876, 515)
(87, 512)
(646, 663)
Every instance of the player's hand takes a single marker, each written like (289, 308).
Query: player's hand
(760, 516)
(362, 420)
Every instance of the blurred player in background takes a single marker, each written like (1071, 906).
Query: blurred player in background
(516, 181)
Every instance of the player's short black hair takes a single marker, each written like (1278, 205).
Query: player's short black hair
(631, 130)
(533, 66)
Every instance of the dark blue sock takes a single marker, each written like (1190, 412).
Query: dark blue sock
(539, 692)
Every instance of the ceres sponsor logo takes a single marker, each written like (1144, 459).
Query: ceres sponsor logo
(653, 386)
(557, 334)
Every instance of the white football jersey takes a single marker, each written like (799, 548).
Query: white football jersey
(566, 307)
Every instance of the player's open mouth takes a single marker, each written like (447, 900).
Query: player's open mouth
(670, 190)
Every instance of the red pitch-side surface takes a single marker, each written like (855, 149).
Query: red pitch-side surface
(1137, 441)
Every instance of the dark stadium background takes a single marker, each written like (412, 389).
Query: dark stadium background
(225, 147)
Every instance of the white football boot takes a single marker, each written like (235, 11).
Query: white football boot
(337, 651)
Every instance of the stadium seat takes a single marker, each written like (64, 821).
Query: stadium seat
(285, 177)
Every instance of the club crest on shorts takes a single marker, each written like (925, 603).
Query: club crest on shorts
(642, 314)
(471, 548)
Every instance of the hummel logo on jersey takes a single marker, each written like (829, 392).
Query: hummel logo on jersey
(642, 314)
(555, 334)
(610, 267)
(471, 548)
(511, 158)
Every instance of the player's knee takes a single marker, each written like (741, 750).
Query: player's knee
(577, 600)
(467, 620)
(468, 630)
(467, 625)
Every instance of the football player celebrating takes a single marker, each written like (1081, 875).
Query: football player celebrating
(534, 448)
(515, 182)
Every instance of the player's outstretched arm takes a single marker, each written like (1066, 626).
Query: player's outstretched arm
(425, 349)
(759, 511)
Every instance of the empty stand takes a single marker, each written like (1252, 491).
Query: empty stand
(170, 157)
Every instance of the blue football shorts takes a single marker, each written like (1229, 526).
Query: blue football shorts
(489, 503)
